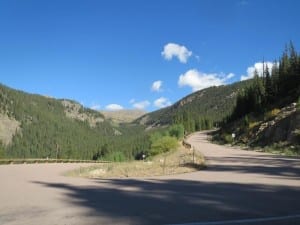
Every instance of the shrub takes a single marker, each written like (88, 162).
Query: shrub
(228, 138)
(163, 145)
(271, 114)
(253, 124)
(116, 157)
(177, 131)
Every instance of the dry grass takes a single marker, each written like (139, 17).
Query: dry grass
(180, 161)
(123, 116)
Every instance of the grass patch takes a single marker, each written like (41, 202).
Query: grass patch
(176, 162)
(282, 149)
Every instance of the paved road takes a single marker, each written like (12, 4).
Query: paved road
(240, 187)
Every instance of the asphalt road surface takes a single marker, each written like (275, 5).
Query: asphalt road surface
(238, 187)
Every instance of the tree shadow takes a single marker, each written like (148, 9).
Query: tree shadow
(286, 168)
(179, 201)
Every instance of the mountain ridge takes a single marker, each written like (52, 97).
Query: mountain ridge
(213, 104)
(124, 115)
(60, 128)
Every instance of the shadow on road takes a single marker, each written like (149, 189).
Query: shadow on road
(180, 201)
(269, 166)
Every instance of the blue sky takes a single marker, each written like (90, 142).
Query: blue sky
(113, 54)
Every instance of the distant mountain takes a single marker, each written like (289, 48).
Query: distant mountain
(36, 126)
(210, 106)
(123, 116)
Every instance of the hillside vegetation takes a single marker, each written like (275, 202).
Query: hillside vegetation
(267, 111)
(198, 111)
(34, 126)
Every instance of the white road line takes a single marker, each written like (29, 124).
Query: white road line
(254, 220)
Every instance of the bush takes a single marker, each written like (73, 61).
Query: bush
(163, 145)
(228, 138)
(253, 124)
(271, 114)
(177, 131)
(155, 136)
(116, 157)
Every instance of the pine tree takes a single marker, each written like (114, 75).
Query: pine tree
(268, 86)
(275, 79)
(284, 65)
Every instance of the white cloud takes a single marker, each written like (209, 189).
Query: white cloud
(132, 101)
(259, 68)
(114, 107)
(95, 107)
(198, 80)
(162, 102)
(174, 50)
(141, 105)
(156, 86)
(230, 75)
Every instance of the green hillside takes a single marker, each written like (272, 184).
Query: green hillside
(267, 111)
(200, 110)
(34, 126)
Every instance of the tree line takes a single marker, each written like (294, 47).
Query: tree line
(278, 86)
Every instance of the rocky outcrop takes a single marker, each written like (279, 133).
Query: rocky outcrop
(76, 111)
(8, 127)
(282, 128)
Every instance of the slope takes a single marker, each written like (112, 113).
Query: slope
(267, 112)
(198, 110)
(123, 116)
(43, 127)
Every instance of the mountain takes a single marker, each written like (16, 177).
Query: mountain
(199, 110)
(123, 116)
(35, 126)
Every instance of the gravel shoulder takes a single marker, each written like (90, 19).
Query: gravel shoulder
(236, 185)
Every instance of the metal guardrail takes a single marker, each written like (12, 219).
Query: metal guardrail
(33, 161)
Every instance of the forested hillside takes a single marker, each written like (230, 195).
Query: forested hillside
(198, 111)
(267, 111)
(34, 126)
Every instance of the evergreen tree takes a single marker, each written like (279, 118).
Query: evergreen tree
(275, 78)
(282, 86)
(268, 86)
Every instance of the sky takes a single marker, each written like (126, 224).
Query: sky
(139, 54)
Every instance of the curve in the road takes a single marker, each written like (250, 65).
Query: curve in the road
(237, 185)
